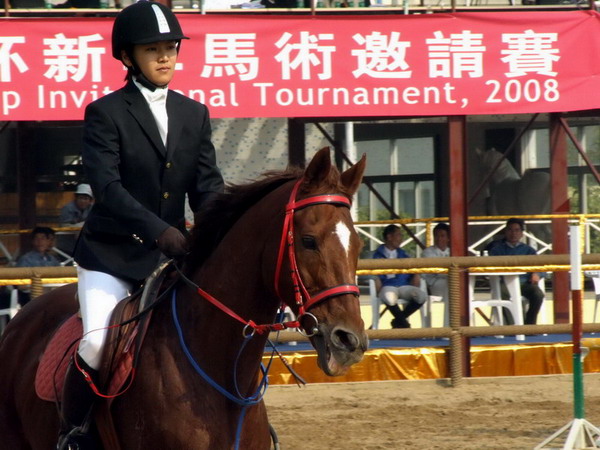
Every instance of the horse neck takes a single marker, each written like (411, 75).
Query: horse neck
(246, 258)
(239, 274)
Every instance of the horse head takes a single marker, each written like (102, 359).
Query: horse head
(326, 250)
(288, 237)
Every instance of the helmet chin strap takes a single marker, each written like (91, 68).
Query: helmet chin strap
(136, 72)
(141, 78)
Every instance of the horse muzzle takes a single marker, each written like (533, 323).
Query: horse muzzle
(338, 348)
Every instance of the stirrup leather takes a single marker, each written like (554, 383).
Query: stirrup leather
(153, 283)
(69, 441)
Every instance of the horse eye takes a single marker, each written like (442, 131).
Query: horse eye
(309, 242)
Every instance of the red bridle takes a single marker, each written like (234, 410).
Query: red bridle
(302, 297)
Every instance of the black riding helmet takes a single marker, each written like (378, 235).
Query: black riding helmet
(144, 22)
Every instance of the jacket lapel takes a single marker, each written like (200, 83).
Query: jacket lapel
(140, 110)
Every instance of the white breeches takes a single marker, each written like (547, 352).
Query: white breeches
(390, 294)
(98, 294)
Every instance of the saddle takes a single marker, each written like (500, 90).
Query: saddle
(124, 340)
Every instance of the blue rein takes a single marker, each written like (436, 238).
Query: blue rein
(238, 398)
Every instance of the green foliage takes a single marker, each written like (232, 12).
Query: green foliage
(594, 208)
(593, 203)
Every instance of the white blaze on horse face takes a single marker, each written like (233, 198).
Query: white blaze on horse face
(343, 233)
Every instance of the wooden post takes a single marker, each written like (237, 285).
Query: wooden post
(457, 138)
(457, 356)
(37, 288)
(560, 205)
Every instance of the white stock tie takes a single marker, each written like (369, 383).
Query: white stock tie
(157, 100)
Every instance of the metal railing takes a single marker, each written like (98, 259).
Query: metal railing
(484, 229)
(459, 349)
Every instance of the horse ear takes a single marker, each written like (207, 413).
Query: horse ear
(319, 167)
(352, 177)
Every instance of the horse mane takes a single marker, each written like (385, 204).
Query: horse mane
(217, 216)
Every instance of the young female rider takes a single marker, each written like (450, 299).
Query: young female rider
(145, 148)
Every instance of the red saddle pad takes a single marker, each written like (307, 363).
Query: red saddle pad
(50, 376)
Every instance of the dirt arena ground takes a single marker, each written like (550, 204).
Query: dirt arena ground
(482, 414)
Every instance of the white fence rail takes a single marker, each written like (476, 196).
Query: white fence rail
(483, 229)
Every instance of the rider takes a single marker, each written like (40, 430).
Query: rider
(144, 148)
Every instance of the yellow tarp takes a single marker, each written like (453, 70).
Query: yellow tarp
(427, 363)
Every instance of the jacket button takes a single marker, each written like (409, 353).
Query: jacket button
(169, 165)
(165, 195)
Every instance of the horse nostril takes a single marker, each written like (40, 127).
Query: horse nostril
(345, 339)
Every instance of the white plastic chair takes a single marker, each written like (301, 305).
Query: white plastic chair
(436, 299)
(595, 276)
(8, 313)
(495, 300)
(376, 306)
(596, 281)
(542, 286)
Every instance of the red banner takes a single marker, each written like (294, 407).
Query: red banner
(284, 66)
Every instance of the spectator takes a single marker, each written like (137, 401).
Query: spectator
(512, 245)
(42, 239)
(437, 283)
(72, 214)
(492, 244)
(76, 211)
(403, 286)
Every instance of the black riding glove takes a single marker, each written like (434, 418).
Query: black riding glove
(172, 242)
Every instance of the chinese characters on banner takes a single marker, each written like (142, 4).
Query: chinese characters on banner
(282, 66)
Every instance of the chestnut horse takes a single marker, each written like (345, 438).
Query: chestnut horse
(253, 247)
